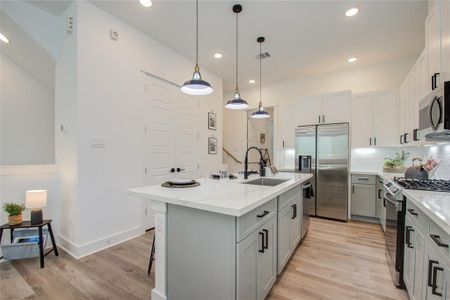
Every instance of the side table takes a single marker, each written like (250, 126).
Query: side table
(27, 224)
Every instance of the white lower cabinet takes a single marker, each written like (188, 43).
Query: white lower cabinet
(256, 262)
(289, 227)
(426, 261)
(363, 195)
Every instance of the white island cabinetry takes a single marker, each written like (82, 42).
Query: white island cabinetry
(219, 240)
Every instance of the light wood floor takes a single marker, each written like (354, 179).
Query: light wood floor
(336, 261)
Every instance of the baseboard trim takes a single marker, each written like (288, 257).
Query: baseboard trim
(80, 251)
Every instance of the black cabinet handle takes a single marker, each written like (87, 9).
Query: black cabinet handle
(430, 267)
(384, 201)
(432, 82)
(437, 240)
(370, 141)
(294, 211)
(409, 229)
(405, 138)
(283, 144)
(180, 169)
(374, 141)
(379, 193)
(319, 118)
(266, 239)
(261, 234)
(401, 139)
(412, 212)
(265, 213)
(434, 284)
(172, 170)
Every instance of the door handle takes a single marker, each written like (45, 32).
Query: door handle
(409, 229)
(434, 283)
(437, 240)
(266, 239)
(261, 234)
(412, 212)
(265, 213)
(294, 211)
(430, 267)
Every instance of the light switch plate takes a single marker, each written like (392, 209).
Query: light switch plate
(98, 143)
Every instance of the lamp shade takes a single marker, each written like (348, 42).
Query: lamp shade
(36, 199)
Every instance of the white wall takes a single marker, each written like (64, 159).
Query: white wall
(382, 76)
(104, 102)
(26, 117)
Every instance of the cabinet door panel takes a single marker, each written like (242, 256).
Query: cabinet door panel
(419, 247)
(247, 266)
(363, 200)
(295, 228)
(409, 257)
(267, 261)
(308, 109)
(336, 107)
(424, 79)
(384, 119)
(433, 41)
(284, 217)
(445, 38)
(362, 120)
(433, 260)
(287, 120)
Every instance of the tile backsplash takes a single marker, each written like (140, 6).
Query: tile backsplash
(373, 158)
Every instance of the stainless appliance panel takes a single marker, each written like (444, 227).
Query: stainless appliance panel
(332, 171)
(308, 202)
(305, 145)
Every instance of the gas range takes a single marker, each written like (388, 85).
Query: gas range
(433, 185)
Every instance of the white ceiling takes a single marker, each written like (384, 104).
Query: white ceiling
(303, 37)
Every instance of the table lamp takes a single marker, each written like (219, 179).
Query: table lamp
(36, 200)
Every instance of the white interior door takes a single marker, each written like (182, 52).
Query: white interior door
(186, 136)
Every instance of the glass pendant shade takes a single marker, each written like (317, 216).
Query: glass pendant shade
(197, 86)
(260, 113)
(237, 102)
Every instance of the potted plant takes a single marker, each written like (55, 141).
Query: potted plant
(14, 212)
(396, 164)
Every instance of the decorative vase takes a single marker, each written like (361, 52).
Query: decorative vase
(15, 220)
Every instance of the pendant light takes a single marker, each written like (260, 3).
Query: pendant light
(196, 86)
(260, 113)
(237, 102)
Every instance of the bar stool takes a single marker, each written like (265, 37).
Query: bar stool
(152, 254)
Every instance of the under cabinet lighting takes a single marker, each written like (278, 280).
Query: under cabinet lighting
(351, 12)
(365, 150)
(3, 38)
(252, 81)
(352, 59)
(218, 55)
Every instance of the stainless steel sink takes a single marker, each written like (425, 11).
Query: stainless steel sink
(266, 181)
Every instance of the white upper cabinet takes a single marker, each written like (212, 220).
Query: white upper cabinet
(374, 119)
(445, 38)
(385, 119)
(362, 125)
(433, 44)
(336, 107)
(287, 122)
(308, 110)
(327, 108)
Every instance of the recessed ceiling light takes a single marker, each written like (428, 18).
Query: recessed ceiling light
(352, 59)
(218, 55)
(3, 38)
(146, 3)
(352, 12)
(251, 81)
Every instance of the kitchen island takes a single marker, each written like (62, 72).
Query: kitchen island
(225, 239)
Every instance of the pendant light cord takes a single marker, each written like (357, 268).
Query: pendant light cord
(196, 32)
(237, 58)
(260, 74)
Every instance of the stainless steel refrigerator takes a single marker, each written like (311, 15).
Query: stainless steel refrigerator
(327, 148)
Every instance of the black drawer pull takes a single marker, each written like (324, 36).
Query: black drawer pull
(434, 284)
(437, 240)
(412, 212)
(363, 178)
(379, 194)
(266, 239)
(430, 267)
(265, 213)
(294, 211)
(262, 242)
(409, 229)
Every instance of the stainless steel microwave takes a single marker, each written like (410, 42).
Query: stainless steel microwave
(434, 114)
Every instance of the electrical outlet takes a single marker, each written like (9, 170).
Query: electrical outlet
(113, 34)
(98, 143)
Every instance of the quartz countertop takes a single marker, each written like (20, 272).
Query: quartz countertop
(225, 196)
